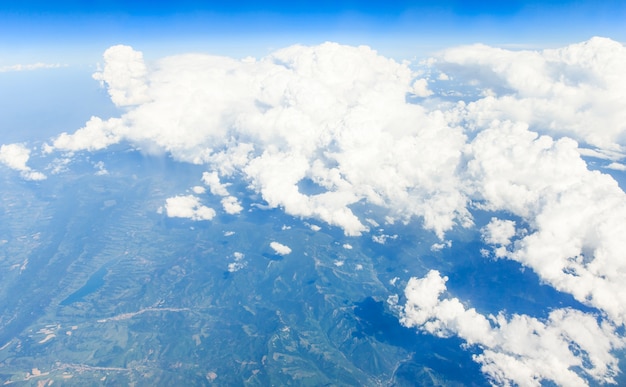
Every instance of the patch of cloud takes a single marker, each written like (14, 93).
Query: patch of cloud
(440, 246)
(280, 249)
(518, 349)
(188, 206)
(333, 114)
(338, 117)
(575, 215)
(198, 190)
(216, 187)
(420, 88)
(499, 232)
(238, 262)
(570, 91)
(16, 156)
(125, 74)
(100, 168)
(616, 166)
(382, 238)
(231, 205)
(95, 135)
(30, 67)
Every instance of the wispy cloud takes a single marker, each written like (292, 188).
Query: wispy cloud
(30, 67)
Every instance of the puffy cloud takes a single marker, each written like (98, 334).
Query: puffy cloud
(332, 114)
(231, 205)
(198, 189)
(212, 179)
(238, 263)
(15, 156)
(188, 207)
(499, 232)
(338, 119)
(575, 215)
(578, 91)
(420, 88)
(518, 349)
(125, 74)
(95, 135)
(280, 249)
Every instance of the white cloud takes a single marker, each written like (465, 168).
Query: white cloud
(440, 246)
(328, 113)
(15, 156)
(518, 349)
(576, 216)
(338, 116)
(212, 179)
(617, 166)
(30, 67)
(188, 207)
(499, 231)
(573, 91)
(280, 249)
(382, 238)
(199, 190)
(420, 88)
(125, 74)
(231, 205)
(95, 135)
(238, 264)
(101, 169)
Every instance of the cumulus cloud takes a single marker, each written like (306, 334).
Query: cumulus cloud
(95, 135)
(280, 249)
(188, 206)
(333, 114)
(574, 215)
(198, 189)
(518, 349)
(578, 91)
(231, 205)
(238, 262)
(499, 232)
(125, 74)
(338, 118)
(212, 179)
(15, 156)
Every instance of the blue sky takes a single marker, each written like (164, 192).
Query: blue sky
(78, 31)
